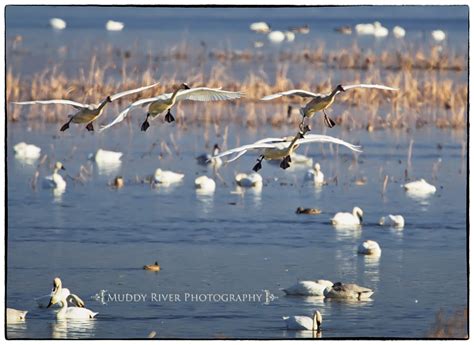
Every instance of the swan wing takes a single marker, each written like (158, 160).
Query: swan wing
(128, 92)
(243, 149)
(301, 93)
(205, 94)
(57, 101)
(312, 138)
(123, 114)
(369, 86)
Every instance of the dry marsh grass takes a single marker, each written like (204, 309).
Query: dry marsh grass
(428, 93)
(452, 326)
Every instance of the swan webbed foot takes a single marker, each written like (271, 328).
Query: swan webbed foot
(169, 118)
(285, 163)
(258, 166)
(90, 127)
(64, 127)
(289, 110)
(329, 122)
(145, 125)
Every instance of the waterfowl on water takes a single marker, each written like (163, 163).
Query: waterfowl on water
(313, 211)
(153, 267)
(260, 27)
(249, 180)
(118, 182)
(282, 148)
(57, 23)
(276, 36)
(26, 151)
(167, 177)
(205, 184)
(14, 315)
(348, 291)
(66, 312)
(303, 323)
(164, 103)
(315, 175)
(105, 156)
(369, 247)
(396, 221)
(420, 186)
(55, 181)
(87, 113)
(398, 31)
(438, 35)
(308, 288)
(63, 293)
(321, 102)
(112, 25)
(208, 159)
(303, 29)
(346, 218)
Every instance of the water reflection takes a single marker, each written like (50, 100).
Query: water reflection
(68, 329)
(303, 334)
(344, 232)
(16, 328)
(58, 194)
(165, 189)
(26, 160)
(420, 197)
(371, 267)
(108, 168)
(206, 200)
(255, 192)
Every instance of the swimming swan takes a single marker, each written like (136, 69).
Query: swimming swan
(105, 156)
(26, 151)
(315, 175)
(345, 218)
(369, 247)
(87, 113)
(55, 181)
(348, 291)
(57, 23)
(205, 184)
(303, 323)
(321, 101)
(396, 221)
(66, 312)
(249, 180)
(308, 288)
(112, 25)
(282, 148)
(14, 315)
(420, 187)
(260, 27)
(43, 301)
(166, 177)
(164, 103)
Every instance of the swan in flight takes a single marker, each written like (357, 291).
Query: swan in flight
(348, 291)
(322, 101)
(164, 103)
(282, 148)
(304, 323)
(87, 113)
(346, 218)
(55, 181)
(14, 315)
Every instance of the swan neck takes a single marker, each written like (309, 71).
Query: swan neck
(174, 95)
(333, 93)
(102, 105)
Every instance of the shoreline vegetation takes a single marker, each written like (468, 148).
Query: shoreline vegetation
(432, 85)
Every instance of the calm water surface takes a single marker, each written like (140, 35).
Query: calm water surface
(96, 238)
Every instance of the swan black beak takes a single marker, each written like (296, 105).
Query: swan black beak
(50, 304)
(63, 168)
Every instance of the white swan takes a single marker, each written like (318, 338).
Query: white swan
(105, 156)
(396, 221)
(26, 151)
(420, 187)
(87, 113)
(303, 323)
(365, 29)
(55, 181)
(438, 35)
(57, 23)
(14, 315)
(112, 25)
(163, 103)
(315, 175)
(320, 101)
(66, 312)
(260, 27)
(348, 291)
(379, 30)
(290, 36)
(43, 301)
(276, 36)
(345, 218)
(208, 159)
(205, 184)
(398, 31)
(369, 247)
(282, 148)
(249, 180)
(308, 288)
(167, 177)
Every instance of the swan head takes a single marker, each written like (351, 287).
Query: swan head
(340, 88)
(357, 211)
(184, 86)
(317, 167)
(59, 166)
(109, 99)
(216, 150)
(57, 284)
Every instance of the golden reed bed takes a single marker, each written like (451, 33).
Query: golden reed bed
(433, 86)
